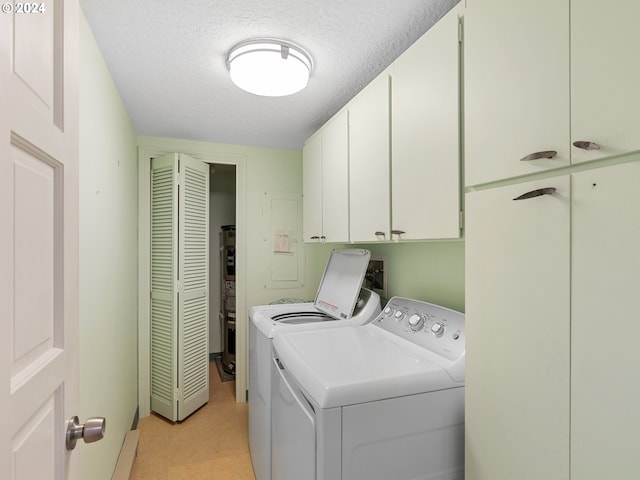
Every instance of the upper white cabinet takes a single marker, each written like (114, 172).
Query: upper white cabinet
(335, 179)
(404, 139)
(516, 94)
(403, 151)
(369, 162)
(325, 165)
(605, 77)
(425, 126)
(548, 83)
(312, 188)
(551, 285)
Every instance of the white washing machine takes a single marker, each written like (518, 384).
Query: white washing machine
(381, 401)
(340, 302)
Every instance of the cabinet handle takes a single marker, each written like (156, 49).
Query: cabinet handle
(397, 232)
(586, 145)
(539, 155)
(537, 193)
(379, 234)
(315, 237)
(323, 238)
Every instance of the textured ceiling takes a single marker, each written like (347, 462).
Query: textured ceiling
(167, 58)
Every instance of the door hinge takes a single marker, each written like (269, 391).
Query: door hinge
(461, 219)
(460, 30)
(178, 285)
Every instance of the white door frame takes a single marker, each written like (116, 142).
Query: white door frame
(152, 147)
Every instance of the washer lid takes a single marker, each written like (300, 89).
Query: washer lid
(341, 282)
(347, 366)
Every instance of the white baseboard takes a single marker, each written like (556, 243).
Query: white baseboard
(127, 456)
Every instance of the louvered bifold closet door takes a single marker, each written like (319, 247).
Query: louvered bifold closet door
(193, 305)
(164, 292)
(179, 285)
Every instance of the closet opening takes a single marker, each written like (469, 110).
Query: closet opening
(222, 268)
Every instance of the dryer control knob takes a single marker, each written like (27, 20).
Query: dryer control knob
(399, 315)
(388, 311)
(416, 322)
(437, 329)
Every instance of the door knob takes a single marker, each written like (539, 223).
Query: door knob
(91, 431)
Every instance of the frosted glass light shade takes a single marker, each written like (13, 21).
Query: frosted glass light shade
(267, 67)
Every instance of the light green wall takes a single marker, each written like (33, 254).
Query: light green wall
(274, 172)
(428, 271)
(108, 260)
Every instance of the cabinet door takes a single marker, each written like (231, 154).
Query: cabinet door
(516, 57)
(517, 333)
(425, 157)
(335, 179)
(605, 392)
(605, 75)
(312, 188)
(369, 162)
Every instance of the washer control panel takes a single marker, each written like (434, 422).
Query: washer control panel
(430, 326)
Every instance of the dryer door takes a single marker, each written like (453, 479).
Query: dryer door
(293, 430)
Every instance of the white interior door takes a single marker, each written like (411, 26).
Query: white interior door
(38, 238)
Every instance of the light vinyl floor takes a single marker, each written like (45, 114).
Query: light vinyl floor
(210, 444)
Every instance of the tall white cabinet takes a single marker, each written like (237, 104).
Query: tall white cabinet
(605, 77)
(551, 297)
(516, 75)
(605, 326)
(548, 84)
(518, 332)
(551, 280)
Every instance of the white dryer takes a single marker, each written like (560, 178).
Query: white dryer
(340, 302)
(382, 401)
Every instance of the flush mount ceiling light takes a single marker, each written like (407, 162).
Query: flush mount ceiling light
(269, 67)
